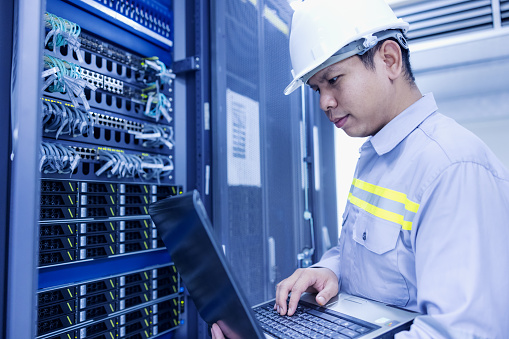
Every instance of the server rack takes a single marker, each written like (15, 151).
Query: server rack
(101, 138)
(271, 214)
(93, 233)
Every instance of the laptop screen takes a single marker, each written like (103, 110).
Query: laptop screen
(186, 230)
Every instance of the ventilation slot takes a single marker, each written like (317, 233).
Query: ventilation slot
(504, 12)
(434, 19)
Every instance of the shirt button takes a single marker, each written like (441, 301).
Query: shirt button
(364, 236)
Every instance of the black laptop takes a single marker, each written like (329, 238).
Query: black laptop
(186, 230)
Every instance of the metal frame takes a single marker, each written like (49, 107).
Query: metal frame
(6, 33)
(25, 115)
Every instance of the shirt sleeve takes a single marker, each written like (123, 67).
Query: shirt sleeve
(330, 260)
(461, 255)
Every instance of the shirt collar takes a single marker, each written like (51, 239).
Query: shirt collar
(403, 124)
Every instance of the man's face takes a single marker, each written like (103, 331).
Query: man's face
(354, 98)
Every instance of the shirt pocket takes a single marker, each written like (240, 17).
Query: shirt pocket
(375, 249)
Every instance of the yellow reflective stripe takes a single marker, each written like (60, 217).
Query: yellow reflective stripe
(387, 193)
(381, 213)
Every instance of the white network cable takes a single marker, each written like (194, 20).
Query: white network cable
(63, 119)
(56, 158)
(155, 136)
(62, 32)
(124, 165)
(62, 76)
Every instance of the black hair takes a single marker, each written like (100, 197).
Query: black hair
(368, 57)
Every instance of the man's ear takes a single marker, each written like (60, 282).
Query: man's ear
(390, 52)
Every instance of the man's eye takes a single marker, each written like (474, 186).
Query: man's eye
(333, 80)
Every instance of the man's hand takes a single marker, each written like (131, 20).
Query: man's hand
(216, 332)
(312, 280)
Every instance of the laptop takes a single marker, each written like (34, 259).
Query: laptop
(186, 231)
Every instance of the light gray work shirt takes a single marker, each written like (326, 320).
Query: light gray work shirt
(426, 227)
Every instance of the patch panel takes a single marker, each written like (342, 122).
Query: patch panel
(96, 79)
(149, 167)
(98, 46)
(104, 82)
(118, 123)
(152, 18)
(114, 130)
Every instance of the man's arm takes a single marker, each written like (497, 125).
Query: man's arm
(461, 255)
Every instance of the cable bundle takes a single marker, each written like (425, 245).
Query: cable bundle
(63, 32)
(63, 119)
(157, 104)
(155, 136)
(56, 158)
(124, 165)
(166, 76)
(63, 76)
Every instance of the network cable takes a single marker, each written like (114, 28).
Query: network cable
(165, 75)
(124, 165)
(156, 103)
(62, 76)
(62, 32)
(155, 136)
(64, 119)
(56, 158)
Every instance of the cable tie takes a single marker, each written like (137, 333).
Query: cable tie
(148, 165)
(49, 72)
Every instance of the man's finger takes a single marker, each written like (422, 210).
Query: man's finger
(216, 332)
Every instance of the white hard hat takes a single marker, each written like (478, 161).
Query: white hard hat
(340, 28)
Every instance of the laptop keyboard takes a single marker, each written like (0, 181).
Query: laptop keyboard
(309, 322)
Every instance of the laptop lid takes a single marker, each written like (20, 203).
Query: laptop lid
(186, 230)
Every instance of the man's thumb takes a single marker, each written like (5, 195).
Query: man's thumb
(323, 297)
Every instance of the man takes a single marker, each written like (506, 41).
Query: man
(426, 226)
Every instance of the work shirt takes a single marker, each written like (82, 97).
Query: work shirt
(426, 227)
